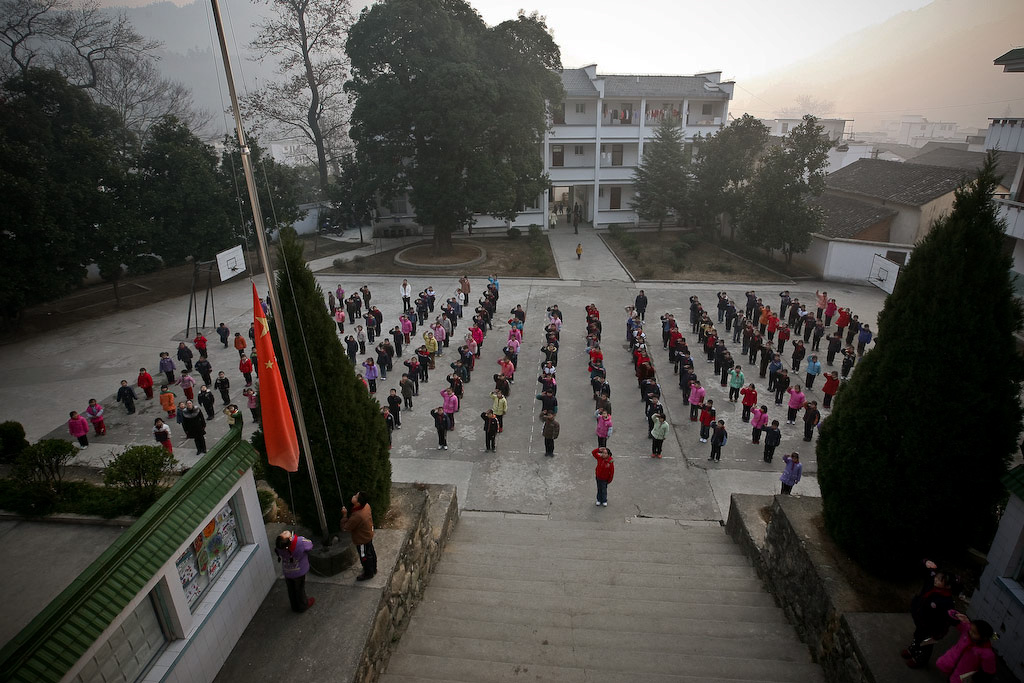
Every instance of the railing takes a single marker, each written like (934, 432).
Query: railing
(1013, 214)
(1006, 135)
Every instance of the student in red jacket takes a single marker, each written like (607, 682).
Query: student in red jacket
(145, 382)
(830, 388)
(604, 473)
(749, 394)
(707, 418)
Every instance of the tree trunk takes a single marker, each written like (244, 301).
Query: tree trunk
(442, 240)
(117, 292)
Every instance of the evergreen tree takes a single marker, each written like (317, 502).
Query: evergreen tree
(902, 479)
(662, 179)
(723, 167)
(342, 419)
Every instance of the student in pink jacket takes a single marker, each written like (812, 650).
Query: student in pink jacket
(451, 406)
(406, 327)
(797, 400)
(697, 393)
(79, 428)
(972, 653)
(604, 427)
(758, 421)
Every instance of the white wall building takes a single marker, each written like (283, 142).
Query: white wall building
(917, 131)
(598, 134)
(1007, 135)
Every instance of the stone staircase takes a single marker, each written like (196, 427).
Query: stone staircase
(520, 599)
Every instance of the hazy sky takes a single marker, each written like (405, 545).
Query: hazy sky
(741, 38)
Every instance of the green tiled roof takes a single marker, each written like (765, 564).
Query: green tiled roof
(56, 639)
(1014, 481)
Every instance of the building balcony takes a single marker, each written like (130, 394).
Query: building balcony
(1006, 135)
(1013, 214)
(571, 174)
(563, 132)
(617, 173)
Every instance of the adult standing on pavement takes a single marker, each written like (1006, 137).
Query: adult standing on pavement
(291, 552)
(640, 303)
(194, 424)
(791, 475)
(360, 525)
(406, 291)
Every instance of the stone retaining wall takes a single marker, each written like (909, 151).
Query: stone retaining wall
(435, 511)
(789, 556)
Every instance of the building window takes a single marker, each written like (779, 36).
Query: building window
(557, 155)
(616, 155)
(785, 128)
(398, 206)
(578, 150)
(581, 107)
(204, 560)
(706, 109)
(558, 112)
(615, 198)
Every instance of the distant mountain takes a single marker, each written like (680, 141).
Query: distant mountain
(935, 61)
(190, 52)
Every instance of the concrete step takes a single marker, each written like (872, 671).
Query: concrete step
(668, 541)
(615, 564)
(609, 607)
(511, 664)
(686, 625)
(629, 575)
(638, 525)
(780, 646)
(581, 588)
(495, 549)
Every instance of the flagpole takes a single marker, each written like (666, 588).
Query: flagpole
(268, 270)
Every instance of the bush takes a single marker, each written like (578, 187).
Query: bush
(535, 233)
(616, 231)
(514, 233)
(77, 497)
(138, 472)
(680, 249)
(267, 499)
(145, 263)
(719, 267)
(12, 441)
(43, 463)
(633, 250)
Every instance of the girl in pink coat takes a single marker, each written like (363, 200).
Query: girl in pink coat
(478, 337)
(516, 334)
(79, 428)
(95, 413)
(758, 421)
(604, 428)
(797, 400)
(451, 406)
(406, 327)
(697, 393)
(972, 653)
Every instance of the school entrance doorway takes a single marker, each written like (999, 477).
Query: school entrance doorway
(563, 200)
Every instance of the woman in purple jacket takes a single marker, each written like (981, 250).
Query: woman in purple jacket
(291, 553)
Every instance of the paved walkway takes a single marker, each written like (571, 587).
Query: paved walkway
(597, 262)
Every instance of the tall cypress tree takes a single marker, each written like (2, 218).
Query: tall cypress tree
(355, 430)
(911, 458)
(661, 180)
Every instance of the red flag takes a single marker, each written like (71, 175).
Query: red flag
(278, 427)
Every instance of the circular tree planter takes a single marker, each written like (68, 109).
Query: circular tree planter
(419, 256)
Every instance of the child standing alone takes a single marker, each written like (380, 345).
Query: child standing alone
(604, 472)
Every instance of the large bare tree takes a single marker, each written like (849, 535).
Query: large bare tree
(76, 39)
(307, 37)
